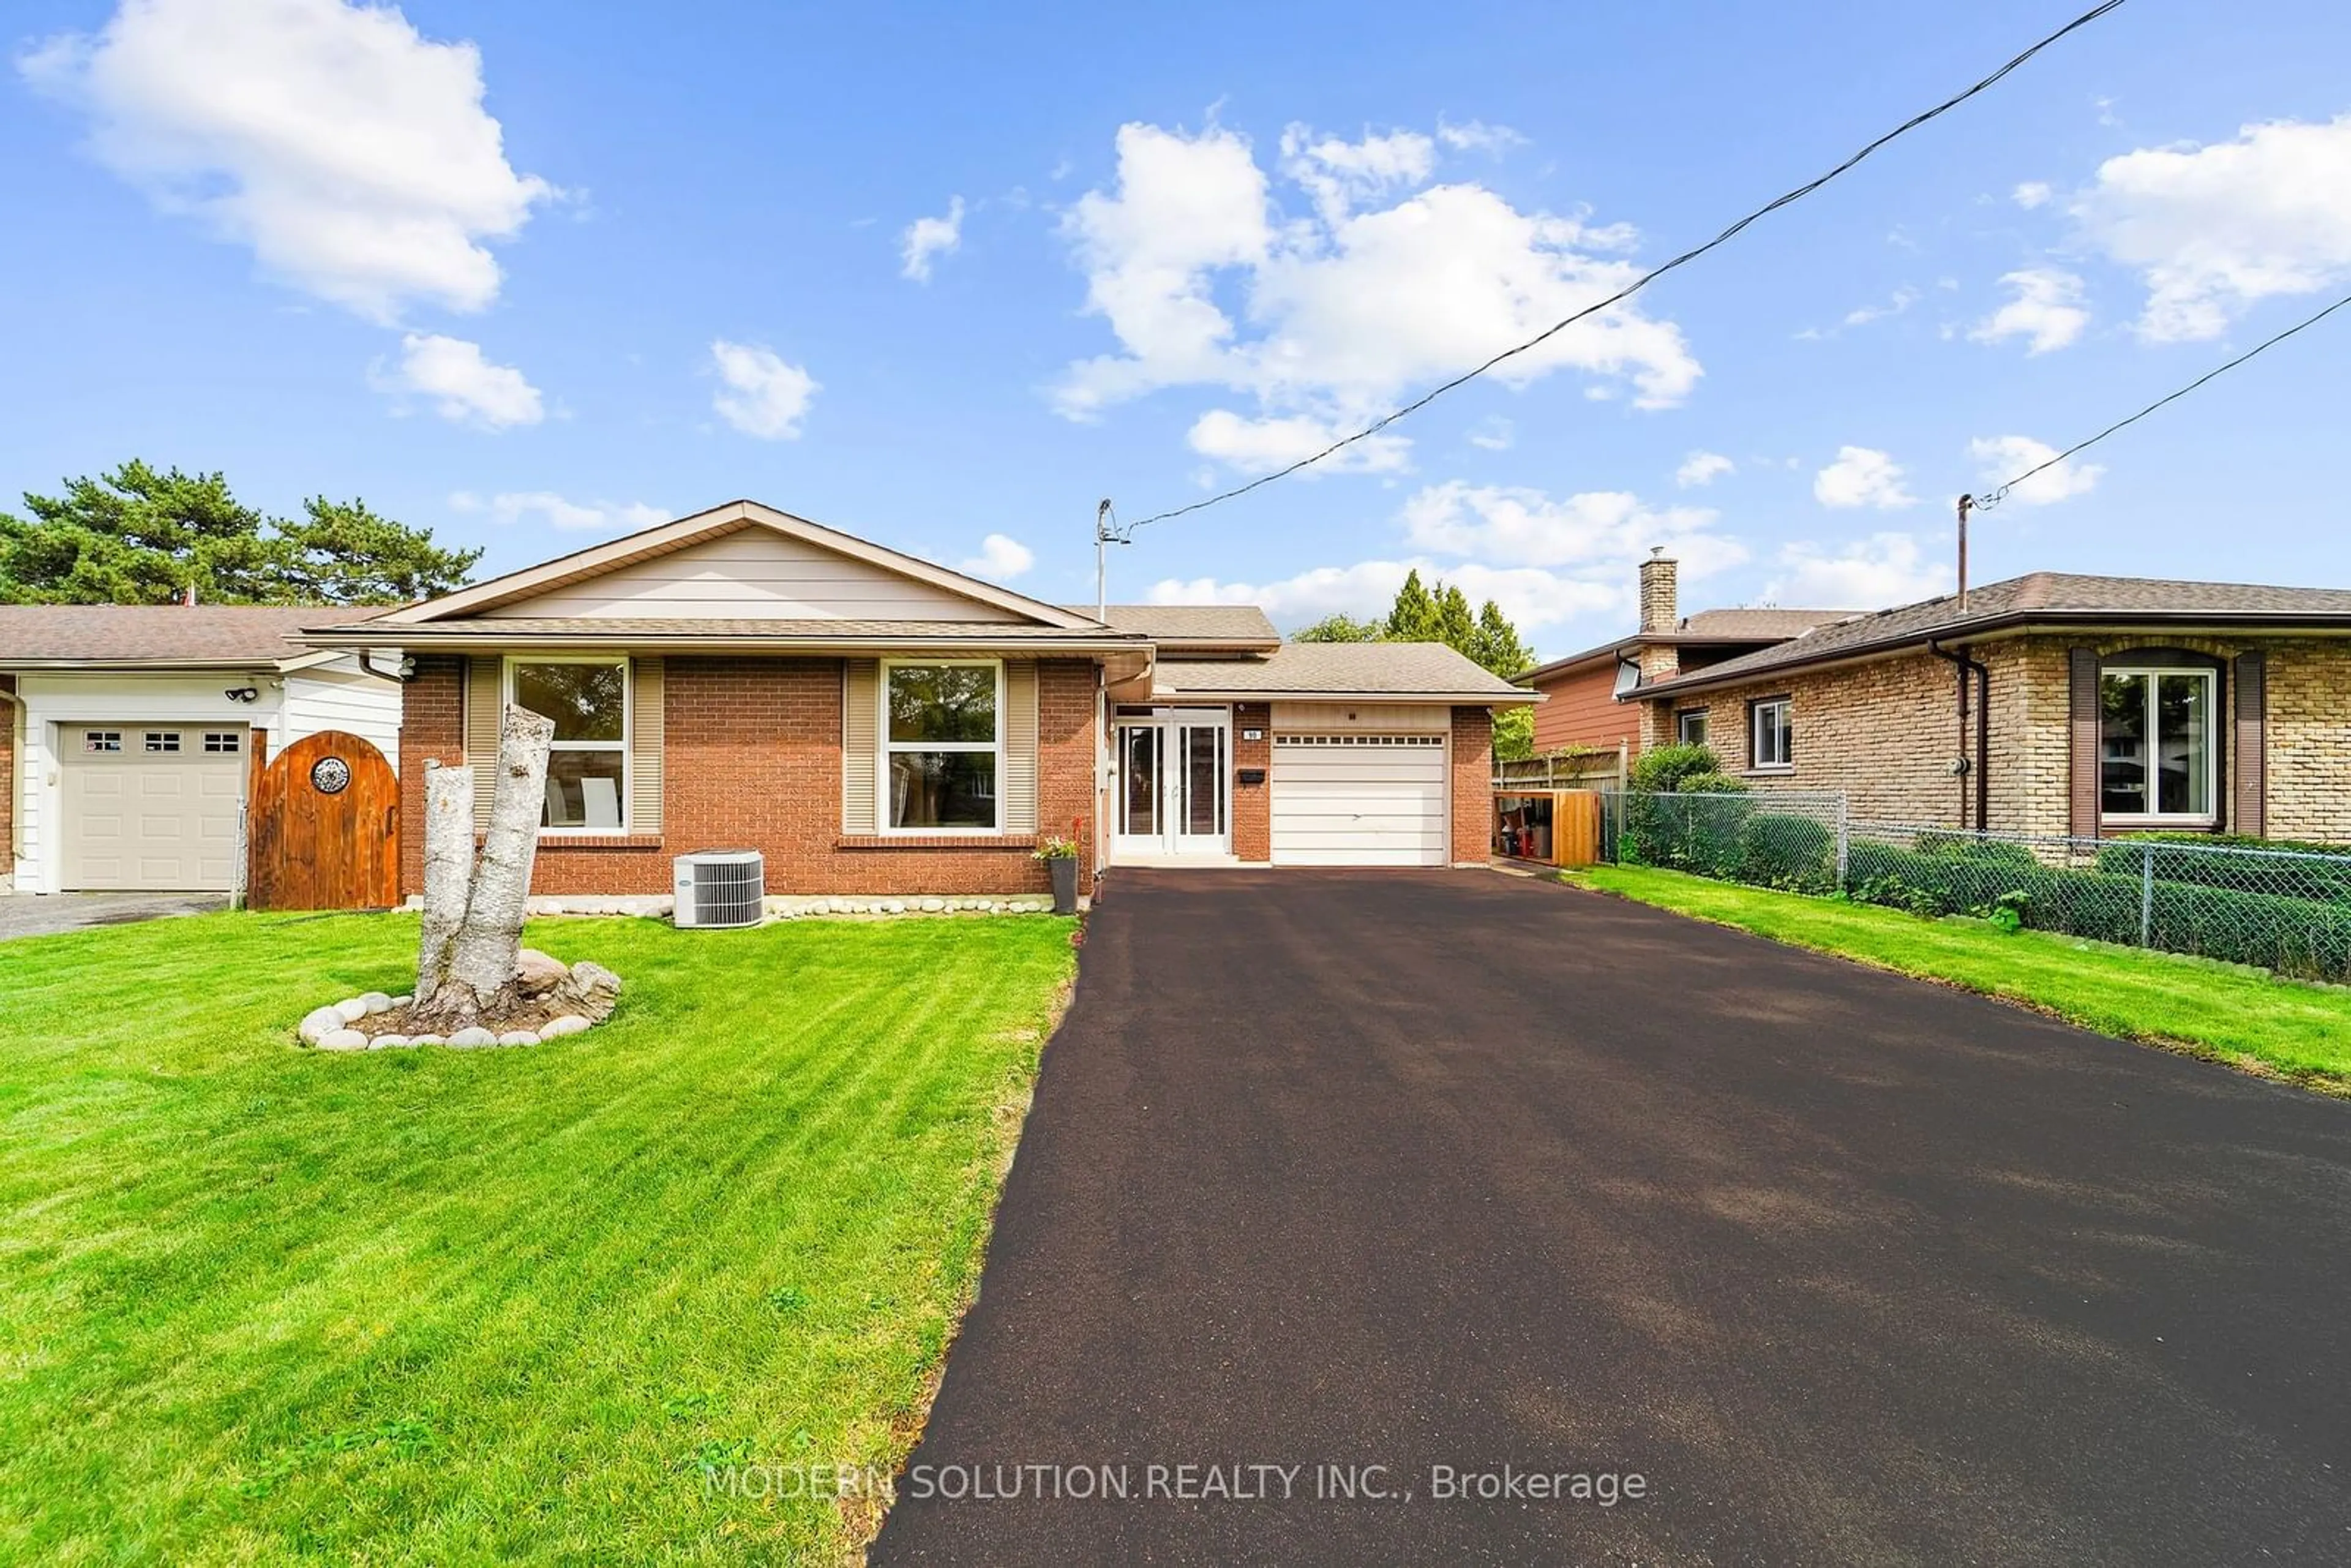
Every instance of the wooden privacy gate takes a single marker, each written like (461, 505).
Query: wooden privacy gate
(323, 825)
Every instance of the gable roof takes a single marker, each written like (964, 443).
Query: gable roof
(1426, 671)
(1198, 625)
(734, 517)
(160, 636)
(2038, 597)
(1706, 626)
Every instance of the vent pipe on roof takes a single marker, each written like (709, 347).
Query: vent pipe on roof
(1967, 504)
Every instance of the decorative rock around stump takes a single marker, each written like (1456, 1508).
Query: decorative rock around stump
(569, 998)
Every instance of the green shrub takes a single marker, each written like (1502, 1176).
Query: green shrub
(1662, 768)
(1985, 853)
(2327, 879)
(1776, 850)
(1712, 784)
(1692, 831)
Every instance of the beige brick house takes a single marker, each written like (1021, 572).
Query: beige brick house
(2048, 704)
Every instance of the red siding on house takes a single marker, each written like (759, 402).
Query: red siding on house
(1583, 711)
(1472, 761)
(751, 759)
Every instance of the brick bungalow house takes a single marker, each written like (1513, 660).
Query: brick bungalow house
(1582, 709)
(2050, 704)
(877, 724)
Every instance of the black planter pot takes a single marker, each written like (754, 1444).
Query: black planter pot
(1065, 884)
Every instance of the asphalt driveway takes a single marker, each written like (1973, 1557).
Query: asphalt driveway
(1339, 1171)
(43, 914)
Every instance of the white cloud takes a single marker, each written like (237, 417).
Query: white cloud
(1900, 300)
(1477, 136)
(1388, 284)
(1862, 477)
(462, 382)
(1544, 562)
(1275, 441)
(2031, 194)
(350, 153)
(2213, 230)
(2046, 311)
(2001, 457)
(1494, 435)
(763, 396)
(1881, 571)
(1000, 558)
(556, 511)
(1702, 468)
(928, 238)
(1605, 529)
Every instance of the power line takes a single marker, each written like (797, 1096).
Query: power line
(1987, 502)
(1913, 123)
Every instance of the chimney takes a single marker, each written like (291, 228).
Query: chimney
(1660, 609)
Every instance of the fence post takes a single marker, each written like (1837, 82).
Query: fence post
(1844, 839)
(2146, 894)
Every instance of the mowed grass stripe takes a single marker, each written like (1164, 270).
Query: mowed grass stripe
(427, 1306)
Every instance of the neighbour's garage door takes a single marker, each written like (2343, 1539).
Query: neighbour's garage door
(151, 805)
(1359, 799)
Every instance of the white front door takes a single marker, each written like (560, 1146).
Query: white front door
(1173, 787)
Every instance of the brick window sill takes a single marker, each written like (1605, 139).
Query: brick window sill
(1024, 842)
(557, 844)
(1767, 773)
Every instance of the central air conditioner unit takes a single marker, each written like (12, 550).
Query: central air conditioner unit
(720, 888)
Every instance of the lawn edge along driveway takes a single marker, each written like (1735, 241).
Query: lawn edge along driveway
(2227, 1013)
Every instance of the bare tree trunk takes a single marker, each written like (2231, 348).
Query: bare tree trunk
(448, 872)
(477, 966)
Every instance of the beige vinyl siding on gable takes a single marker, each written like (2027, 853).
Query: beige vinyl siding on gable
(645, 745)
(860, 740)
(484, 702)
(1020, 747)
(755, 574)
(1332, 718)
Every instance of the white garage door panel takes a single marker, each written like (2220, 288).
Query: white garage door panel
(1365, 803)
(162, 820)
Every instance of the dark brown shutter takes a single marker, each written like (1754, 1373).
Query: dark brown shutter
(2249, 758)
(2082, 743)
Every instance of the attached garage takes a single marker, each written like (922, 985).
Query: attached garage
(151, 806)
(1359, 799)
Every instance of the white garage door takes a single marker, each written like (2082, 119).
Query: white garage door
(1359, 799)
(151, 805)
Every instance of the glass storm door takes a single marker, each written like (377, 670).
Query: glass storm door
(1173, 791)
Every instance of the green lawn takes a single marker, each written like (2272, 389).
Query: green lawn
(260, 1303)
(2239, 1015)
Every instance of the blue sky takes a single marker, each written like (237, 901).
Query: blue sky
(603, 268)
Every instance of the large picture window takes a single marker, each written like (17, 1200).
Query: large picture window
(1771, 733)
(2155, 756)
(943, 746)
(586, 767)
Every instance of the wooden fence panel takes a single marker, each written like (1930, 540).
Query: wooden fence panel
(1575, 827)
(324, 828)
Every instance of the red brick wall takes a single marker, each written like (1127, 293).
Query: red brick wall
(1472, 761)
(751, 759)
(9, 783)
(1253, 803)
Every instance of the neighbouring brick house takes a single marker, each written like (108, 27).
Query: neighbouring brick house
(1582, 709)
(875, 724)
(2050, 703)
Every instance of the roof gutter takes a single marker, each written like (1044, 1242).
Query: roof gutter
(419, 639)
(1514, 696)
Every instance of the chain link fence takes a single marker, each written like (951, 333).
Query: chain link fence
(2286, 909)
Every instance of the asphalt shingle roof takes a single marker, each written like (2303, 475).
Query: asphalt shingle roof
(2052, 595)
(662, 628)
(159, 634)
(1236, 623)
(1338, 669)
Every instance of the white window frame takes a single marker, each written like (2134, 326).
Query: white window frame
(2153, 675)
(1682, 726)
(1755, 712)
(625, 745)
(885, 747)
